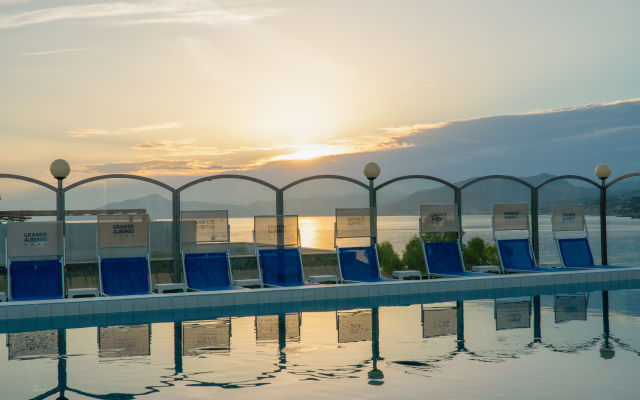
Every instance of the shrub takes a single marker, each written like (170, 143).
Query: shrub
(389, 259)
(413, 256)
(478, 252)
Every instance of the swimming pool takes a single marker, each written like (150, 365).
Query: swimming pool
(506, 343)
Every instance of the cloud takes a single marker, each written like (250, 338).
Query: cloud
(168, 125)
(41, 53)
(154, 167)
(181, 148)
(149, 12)
(91, 132)
(87, 132)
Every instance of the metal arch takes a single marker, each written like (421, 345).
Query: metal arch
(120, 176)
(227, 176)
(27, 179)
(511, 178)
(432, 178)
(339, 177)
(621, 178)
(580, 178)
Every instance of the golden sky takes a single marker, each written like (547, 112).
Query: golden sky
(198, 87)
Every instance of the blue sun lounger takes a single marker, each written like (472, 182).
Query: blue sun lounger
(356, 264)
(575, 253)
(124, 270)
(443, 259)
(516, 255)
(278, 265)
(204, 266)
(30, 279)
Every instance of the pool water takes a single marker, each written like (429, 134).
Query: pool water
(584, 345)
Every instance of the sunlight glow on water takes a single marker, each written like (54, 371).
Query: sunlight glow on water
(570, 346)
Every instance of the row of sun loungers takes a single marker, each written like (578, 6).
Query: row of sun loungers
(124, 265)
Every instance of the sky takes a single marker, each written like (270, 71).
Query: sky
(177, 89)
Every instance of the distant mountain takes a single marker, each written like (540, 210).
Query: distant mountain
(480, 197)
(476, 199)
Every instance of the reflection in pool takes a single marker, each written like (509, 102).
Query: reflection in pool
(572, 345)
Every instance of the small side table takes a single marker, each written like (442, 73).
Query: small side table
(323, 279)
(84, 292)
(407, 274)
(164, 287)
(486, 268)
(3, 297)
(248, 282)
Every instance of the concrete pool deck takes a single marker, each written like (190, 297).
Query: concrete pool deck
(202, 305)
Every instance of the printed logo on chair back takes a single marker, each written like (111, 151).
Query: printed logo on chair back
(568, 218)
(439, 218)
(25, 239)
(204, 226)
(276, 230)
(123, 230)
(508, 217)
(354, 222)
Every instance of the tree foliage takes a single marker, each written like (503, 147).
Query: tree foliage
(389, 259)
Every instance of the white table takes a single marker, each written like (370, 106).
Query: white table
(163, 287)
(323, 279)
(247, 282)
(407, 274)
(71, 293)
(3, 297)
(486, 268)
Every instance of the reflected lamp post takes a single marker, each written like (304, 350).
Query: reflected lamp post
(60, 169)
(603, 171)
(372, 171)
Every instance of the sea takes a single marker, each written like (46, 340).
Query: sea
(623, 235)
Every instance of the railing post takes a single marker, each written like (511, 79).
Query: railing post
(603, 222)
(457, 198)
(535, 234)
(60, 206)
(175, 228)
(374, 217)
(279, 214)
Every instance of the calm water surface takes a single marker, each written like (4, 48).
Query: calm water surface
(570, 346)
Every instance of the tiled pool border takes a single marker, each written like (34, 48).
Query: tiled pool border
(84, 312)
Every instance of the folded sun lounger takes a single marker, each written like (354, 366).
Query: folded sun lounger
(443, 259)
(575, 253)
(516, 255)
(204, 266)
(356, 264)
(32, 274)
(281, 263)
(123, 250)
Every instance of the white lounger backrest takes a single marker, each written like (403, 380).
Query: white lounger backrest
(568, 218)
(352, 223)
(34, 240)
(202, 231)
(439, 218)
(276, 230)
(123, 236)
(511, 217)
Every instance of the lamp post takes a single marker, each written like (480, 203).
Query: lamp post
(372, 171)
(603, 171)
(60, 170)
